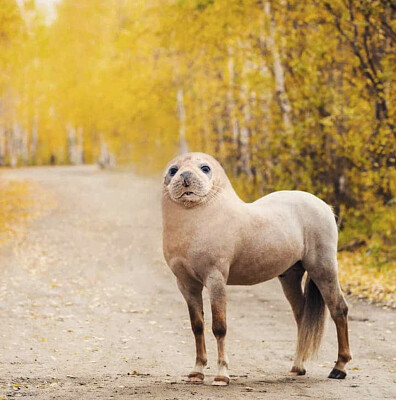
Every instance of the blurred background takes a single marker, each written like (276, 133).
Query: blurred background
(286, 94)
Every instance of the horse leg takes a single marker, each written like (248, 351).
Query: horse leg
(217, 291)
(192, 292)
(292, 288)
(324, 274)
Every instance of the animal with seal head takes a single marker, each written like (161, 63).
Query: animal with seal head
(211, 238)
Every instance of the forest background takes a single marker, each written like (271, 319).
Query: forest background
(286, 94)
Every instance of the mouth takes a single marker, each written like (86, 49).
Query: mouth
(189, 197)
(186, 194)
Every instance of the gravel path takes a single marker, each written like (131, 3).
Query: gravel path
(89, 310)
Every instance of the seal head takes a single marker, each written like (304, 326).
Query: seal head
(193, 179)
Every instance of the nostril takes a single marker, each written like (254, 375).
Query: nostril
(186, 178)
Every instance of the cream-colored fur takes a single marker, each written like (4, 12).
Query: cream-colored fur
(212, 238)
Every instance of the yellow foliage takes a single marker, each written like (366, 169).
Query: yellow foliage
(366, 281)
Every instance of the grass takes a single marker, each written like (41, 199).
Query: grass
(368, 262)
(362, 277)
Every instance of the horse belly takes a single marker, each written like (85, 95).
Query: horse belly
(250, 269)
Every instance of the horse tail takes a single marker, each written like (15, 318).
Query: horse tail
(313, 322)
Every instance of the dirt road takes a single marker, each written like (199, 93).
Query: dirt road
(89, 310)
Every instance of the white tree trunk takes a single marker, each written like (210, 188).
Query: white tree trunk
(75, 145)
(220, 134)
(24, 148)
(279, 75)
(14, 144)
(245, 126)
(206, 145)
(106, 159)
(79, 147)
(2, 145)
(34, 139)
(71, 144)
(266, 75)
(230, 97)
(181, 113)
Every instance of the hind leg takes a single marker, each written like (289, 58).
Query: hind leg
(324, 274)
(292, 288)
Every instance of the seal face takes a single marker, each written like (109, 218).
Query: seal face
(189, 181)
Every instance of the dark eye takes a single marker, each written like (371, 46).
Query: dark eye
(172, 171)
(205, 169)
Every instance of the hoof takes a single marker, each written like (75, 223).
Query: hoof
(337, 374)
(195, 377)
(298, 371)
(221, 380)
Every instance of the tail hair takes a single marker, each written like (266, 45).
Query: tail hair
(313, 322)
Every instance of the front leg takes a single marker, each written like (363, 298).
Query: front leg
(192, 292)
(217, 291)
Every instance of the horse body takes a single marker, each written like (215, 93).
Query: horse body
(286, 225)
(218, 240)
